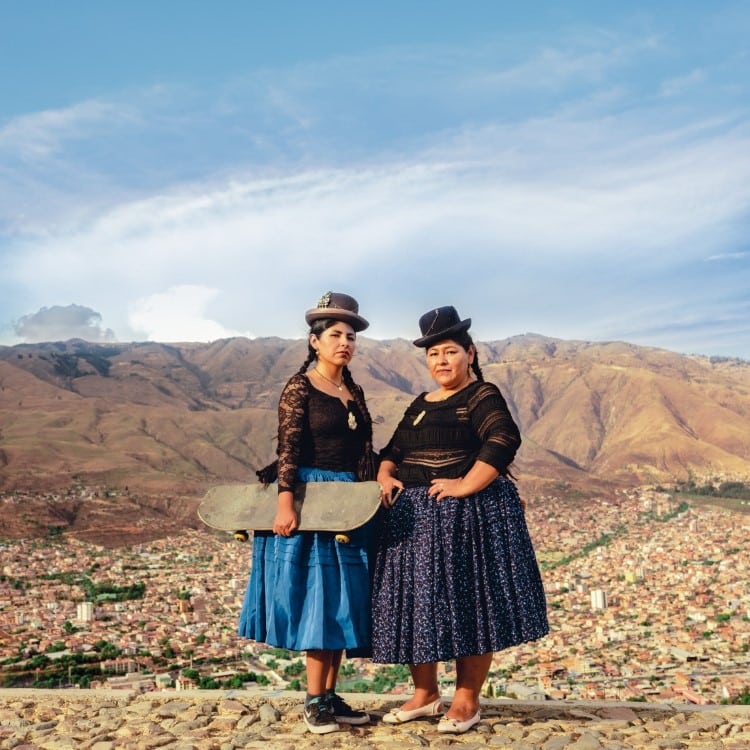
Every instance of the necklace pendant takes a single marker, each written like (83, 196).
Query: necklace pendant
(352, 421)
(339, 386)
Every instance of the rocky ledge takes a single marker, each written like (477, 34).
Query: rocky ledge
(224, 720)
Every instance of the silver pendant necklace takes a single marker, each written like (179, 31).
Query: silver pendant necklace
(340, 385)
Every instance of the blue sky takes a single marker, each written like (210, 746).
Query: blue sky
(187, 171)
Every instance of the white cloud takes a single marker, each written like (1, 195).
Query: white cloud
(545, 199)
(729, 256)
(178, 314)
(682, 84)
(666, 192)
(522, 173)
(42, 134)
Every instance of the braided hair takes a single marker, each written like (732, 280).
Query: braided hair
(465, 341)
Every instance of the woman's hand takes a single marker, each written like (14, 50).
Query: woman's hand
(285, 523)
(388, 498)
(390, 485)
(286, 520)
(442, 488)
(478, 477)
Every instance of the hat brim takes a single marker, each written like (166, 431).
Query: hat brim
(446, 333)
(357, 322)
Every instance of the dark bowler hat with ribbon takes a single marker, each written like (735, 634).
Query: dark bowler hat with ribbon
(440, 324)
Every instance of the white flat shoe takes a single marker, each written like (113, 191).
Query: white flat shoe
(453, 726)
(399, 716)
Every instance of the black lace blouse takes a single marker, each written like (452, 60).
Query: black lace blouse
(316, 430)
(445, 438)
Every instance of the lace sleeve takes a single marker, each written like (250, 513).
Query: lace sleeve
(494, 424)
(292, 411)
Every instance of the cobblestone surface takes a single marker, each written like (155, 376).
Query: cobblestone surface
(225, 720)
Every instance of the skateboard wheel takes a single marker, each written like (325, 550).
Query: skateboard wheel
(241, 535)
(342, 538)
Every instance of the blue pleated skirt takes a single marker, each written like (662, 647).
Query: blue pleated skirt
(455, 578)
(308, 591)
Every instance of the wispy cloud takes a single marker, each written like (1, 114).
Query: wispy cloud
(545, 181)
(42, 135)
(729, 256)
(681, 84)
(477, 205)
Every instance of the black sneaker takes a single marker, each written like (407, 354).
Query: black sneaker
(344, 713)
(319, 717)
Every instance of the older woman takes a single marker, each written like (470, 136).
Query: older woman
(456, 576)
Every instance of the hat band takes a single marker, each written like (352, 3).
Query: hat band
(432, 325)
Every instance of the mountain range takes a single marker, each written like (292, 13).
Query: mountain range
(170, 420)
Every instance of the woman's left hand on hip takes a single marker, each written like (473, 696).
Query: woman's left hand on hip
(442, 488)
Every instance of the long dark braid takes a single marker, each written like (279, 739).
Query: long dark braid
(367, 469)
(312, 355)
(270, 473)
(477, 369)
(466, 342)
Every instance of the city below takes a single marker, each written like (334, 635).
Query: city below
(647, 591)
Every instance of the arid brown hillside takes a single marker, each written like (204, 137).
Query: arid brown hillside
(174, 419)
(622, 412)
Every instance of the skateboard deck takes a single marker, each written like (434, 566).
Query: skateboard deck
(321, 506)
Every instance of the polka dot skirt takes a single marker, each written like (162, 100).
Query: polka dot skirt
(455, 578)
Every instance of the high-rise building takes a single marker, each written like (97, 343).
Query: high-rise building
(85, 611)
(598, 599)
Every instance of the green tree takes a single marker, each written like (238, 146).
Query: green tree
(296, 667)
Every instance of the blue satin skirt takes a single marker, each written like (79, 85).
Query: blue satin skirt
(308, 591)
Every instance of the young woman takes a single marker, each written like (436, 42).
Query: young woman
(306, 591)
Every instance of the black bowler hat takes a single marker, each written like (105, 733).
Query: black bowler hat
(440, 324)
(337, 306)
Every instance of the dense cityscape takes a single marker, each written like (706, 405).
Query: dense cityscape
(648, 599)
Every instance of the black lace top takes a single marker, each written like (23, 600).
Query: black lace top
(445, 438)
(316, 430)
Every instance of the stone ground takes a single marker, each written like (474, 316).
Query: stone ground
(225, 720)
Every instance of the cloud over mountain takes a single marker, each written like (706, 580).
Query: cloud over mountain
(58, 323)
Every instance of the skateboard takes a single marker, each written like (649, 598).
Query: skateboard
(338, 507)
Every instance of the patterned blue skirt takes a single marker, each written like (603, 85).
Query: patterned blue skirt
(455, 578)
(308, 591)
